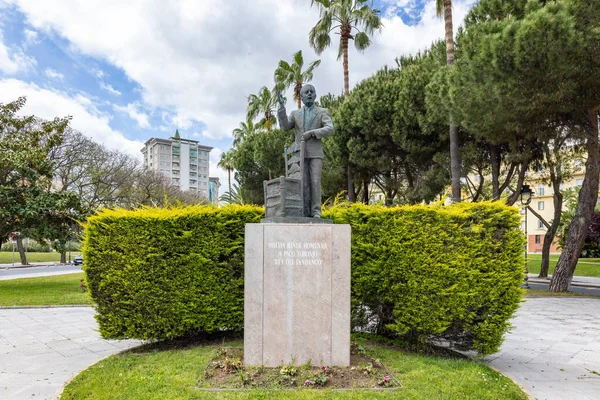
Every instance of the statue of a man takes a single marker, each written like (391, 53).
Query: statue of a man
(311, 124)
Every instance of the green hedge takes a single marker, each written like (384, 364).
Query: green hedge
(162, 273)
(449, 273)
(425, 272)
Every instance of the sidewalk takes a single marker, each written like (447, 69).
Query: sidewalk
(553, 351)
(577, 280)
(40, 349)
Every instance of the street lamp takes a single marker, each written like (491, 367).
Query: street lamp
(525, 196)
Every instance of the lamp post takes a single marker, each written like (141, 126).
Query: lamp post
(525, 196)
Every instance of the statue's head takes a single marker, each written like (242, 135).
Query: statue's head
(308, 94)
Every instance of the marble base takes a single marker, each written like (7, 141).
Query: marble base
(297, 294)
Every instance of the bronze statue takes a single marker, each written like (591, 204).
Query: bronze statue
(311, 123)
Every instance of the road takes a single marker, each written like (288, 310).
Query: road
(32, 272)
(578, 289)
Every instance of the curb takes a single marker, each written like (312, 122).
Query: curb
(573, 283)
(55, 306)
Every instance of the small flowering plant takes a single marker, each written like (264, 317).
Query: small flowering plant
(319, 378)
(288, 370)
(386, 381)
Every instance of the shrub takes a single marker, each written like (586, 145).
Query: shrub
(426, 273)
(591, 246)
(162, 273)
(33, 247)
(450, 273)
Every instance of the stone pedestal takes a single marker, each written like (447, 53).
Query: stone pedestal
(297, 294)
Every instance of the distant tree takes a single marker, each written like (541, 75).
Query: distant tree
(259, 158)
(25, 168)
(287, 75)
(263, 104)
(226, 163)
(247, 128)
(444, 8)
(347, 17)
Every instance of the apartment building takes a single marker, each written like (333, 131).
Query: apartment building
(184, 161)
(543, 204)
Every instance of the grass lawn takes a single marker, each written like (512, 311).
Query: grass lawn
(176, 371)
(47, 290)
(6, 257)
(585, 266)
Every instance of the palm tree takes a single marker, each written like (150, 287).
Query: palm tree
(246, 129)
(444, 8)
(287, 75)
(226, 163)
(345, 16)
(263, 104)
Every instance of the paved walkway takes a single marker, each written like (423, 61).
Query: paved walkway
(42, 348)
(554, 349)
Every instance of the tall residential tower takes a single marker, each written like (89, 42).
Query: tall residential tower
(183, 161)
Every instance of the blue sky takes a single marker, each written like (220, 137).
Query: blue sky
(129, 71)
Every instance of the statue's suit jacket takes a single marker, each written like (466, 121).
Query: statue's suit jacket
(321, 125)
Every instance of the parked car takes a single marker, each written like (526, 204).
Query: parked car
(78, 260)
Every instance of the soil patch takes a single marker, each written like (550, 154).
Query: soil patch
(227, 371)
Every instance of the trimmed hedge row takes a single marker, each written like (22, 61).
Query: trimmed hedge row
(424, 272)
(450, 273)
(162, 273)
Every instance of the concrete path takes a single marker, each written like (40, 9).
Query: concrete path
(554, 349)
(40, 349)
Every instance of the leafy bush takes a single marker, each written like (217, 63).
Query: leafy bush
(591, 246)
(33, 247)
(423, 272)
(450, 273)
(162, 273)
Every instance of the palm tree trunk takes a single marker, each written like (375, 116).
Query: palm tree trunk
(454, 152)
(229, 180)
(344, 40)
(565, 268)
(299, 100)
(449, 32)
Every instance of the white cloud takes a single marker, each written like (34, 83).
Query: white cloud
(13, 60)
(31, 37)
(201, 59)
(133, 110)
(109, 88)
(50, 103)
(52, 74)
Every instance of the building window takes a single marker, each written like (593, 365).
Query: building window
(538, 239)
(192, 182)
(540, 224)
(193, 174)
(579, 182)
(540, 205)
(540, 190)
(175, 172)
